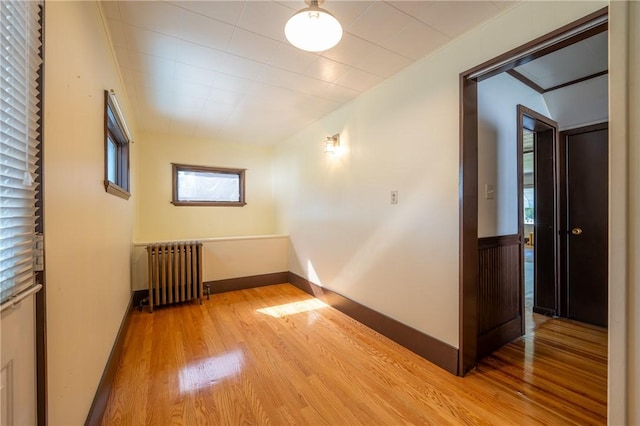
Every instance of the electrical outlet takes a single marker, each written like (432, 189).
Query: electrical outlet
(394, 197)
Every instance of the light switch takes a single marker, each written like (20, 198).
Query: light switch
(394, 197)
(489, 191)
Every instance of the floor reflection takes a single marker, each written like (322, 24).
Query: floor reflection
(532, 320)
(207, 372)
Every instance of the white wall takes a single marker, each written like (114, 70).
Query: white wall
(225, 258)
(498, 98)
(88, 232)
(624, 214)
(401, 260)
(158, 219)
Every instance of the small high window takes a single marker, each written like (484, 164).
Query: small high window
(207, 186)
(116, 149)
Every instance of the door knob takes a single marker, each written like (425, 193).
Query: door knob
(576, 231)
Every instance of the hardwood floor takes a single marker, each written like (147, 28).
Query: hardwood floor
(274, 355)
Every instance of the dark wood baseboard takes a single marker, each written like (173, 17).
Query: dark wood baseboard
(221, 286)
(243, 283)
(544, 311)
(96, 412)
(432, 349)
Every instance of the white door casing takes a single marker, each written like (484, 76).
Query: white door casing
(18, 364)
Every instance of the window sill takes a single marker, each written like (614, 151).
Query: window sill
(209, 203)
(114, 189)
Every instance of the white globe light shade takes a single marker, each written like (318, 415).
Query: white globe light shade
(313, 29)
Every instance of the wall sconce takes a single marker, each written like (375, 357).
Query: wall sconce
(332, 144)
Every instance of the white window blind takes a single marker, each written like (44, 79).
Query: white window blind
(20, 61)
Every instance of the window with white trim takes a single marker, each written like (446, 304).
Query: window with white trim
(20, 62)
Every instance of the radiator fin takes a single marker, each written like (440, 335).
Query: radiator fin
(175, 272)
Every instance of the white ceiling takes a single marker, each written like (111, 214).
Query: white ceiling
(224, 70)
(574, 90)
(579, 60)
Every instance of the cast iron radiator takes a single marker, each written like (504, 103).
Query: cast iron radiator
(175, 272)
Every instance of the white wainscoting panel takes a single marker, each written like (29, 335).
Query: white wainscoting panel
(224, 258)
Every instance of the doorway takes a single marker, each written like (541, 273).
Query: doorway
(582, 29)
(564, 213)
(528, 215)
(538, 207)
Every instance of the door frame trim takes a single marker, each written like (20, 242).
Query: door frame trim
(42, 395)
(539, 122)
(468, 186)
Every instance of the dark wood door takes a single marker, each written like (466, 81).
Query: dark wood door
(587, 226)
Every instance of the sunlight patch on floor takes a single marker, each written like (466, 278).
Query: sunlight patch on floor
(280, 311)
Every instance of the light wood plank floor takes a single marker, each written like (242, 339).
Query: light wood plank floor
(274, 355)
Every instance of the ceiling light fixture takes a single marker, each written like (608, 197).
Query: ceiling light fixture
(313, 28)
